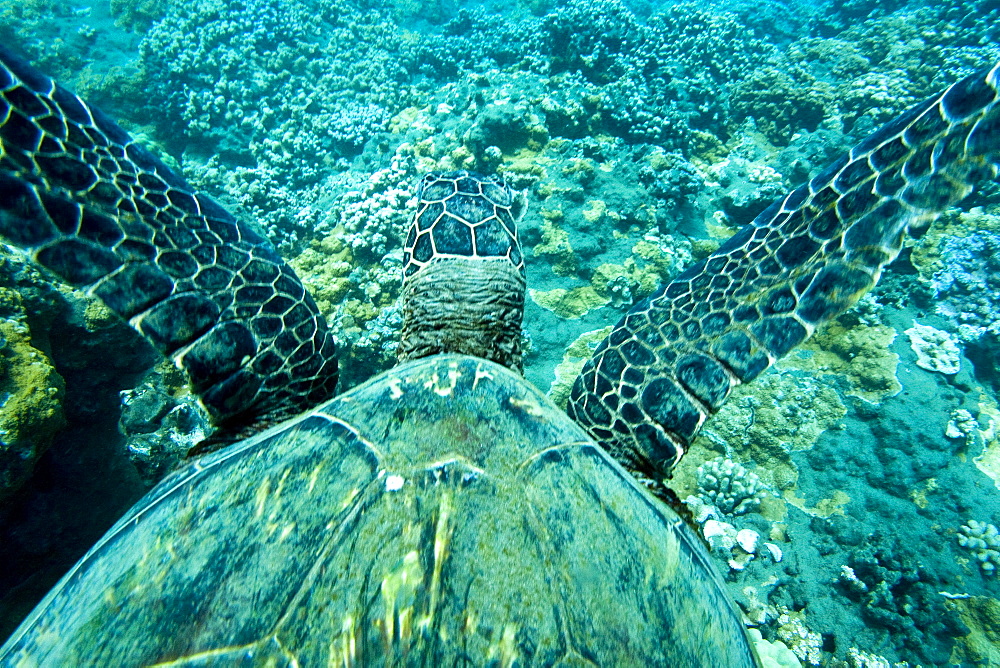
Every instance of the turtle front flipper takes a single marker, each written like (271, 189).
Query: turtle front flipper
(88, 203)
(674, 358)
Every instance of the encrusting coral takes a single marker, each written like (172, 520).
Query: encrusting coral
(936, 350)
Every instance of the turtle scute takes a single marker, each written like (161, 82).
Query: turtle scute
(444, 513)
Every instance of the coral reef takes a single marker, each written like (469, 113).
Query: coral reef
(782, 412)
(569, 304)
(325, 269)
(137, 15)
(981, 646)
(592, 37)
(963, 425)
(276, 107)
(656, 80)
(738, 547)
(376, 213)
(367, 322)
(654, 259)
(781, 101)
(672, 180)
(804, 643)
(900, 597)
(663, 255)
(968, 286)
(927, 256)
(45, 31)
(746, 186)
(858, 352)
(858, 659)
(555, 244)
(381, 336)
(988, 460)
(773, 654)
(874, 98)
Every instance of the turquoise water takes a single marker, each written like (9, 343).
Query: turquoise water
(645, 134)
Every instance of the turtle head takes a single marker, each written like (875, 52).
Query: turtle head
(463, 272)
(464, 215)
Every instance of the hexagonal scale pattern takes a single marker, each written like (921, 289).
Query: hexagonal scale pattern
(101, 212)
(674, 358)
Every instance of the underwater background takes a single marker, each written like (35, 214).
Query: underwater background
(851, 494)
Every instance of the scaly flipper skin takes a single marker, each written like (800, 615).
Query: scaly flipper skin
(88, 203)
(672, 361)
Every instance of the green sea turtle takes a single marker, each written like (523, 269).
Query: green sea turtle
(444, 512)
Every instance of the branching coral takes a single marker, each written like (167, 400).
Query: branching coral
(729, 486)
(983, 541)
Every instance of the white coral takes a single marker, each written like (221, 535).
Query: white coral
(858, 659)
(807, 645)
(962, 425)
(983, 540)
(773, 654)
(729, 486)
(936, 350)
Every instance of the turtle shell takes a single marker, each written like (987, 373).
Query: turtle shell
(443, 513)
